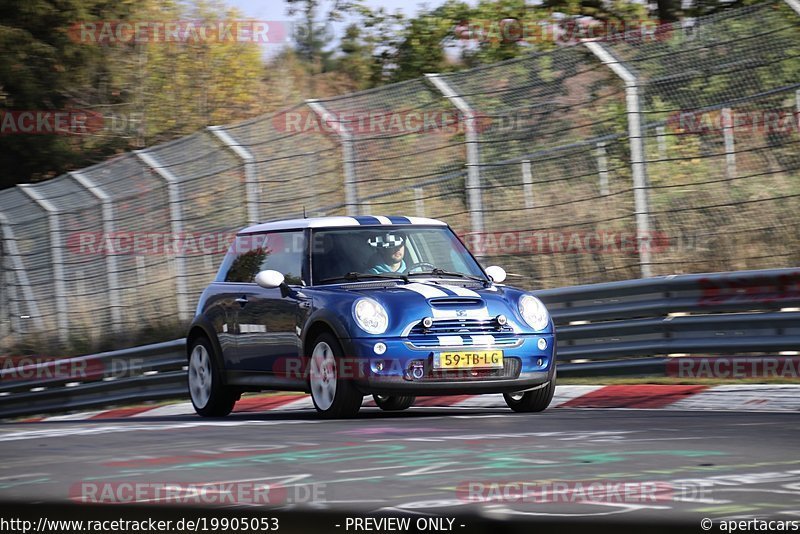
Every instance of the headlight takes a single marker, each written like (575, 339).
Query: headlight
(534, 312)
(370, 316)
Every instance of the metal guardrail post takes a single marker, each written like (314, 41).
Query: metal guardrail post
(57, 249)
(21, 278)
(474, 196)
(602, 168)
(636, 139)
(250, 171)
(348, 154)
(176, 221)
(111, 259)
(527, 183)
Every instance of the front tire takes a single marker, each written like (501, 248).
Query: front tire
(532, 401)
(210, 397)
(394, 403)
(334, 396)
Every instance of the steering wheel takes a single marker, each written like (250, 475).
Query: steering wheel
(419, 265)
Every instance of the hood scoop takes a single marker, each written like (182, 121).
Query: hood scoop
(456, 302)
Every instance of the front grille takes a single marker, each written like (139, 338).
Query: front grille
(511, 369)
(443, 327)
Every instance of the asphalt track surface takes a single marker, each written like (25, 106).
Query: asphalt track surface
(706, 464)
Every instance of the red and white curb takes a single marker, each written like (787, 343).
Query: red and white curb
(761, 398)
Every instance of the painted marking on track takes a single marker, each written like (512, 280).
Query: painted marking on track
(642, 397)
(599, 436)
(121, 412)
(180, 408)
(25, 475)
(62, 432)
(72, 416)
(622, 508)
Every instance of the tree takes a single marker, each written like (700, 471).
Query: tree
(142, 92)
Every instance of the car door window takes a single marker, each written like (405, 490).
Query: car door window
(277, 251)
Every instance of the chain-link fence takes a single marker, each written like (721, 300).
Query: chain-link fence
(650, 153)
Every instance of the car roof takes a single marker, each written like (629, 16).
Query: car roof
(335, 222)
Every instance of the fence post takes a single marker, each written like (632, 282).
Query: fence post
(57, 249)
(797, 98)
(730, 143)
(21, 278)
(348, 154)
(176, 222)
(602, 168)
(474, 197)
(661, 140)
(527, 183)
(636, 140)
(250, 172)
(419, 202)
(111, 258)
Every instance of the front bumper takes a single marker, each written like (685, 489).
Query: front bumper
(526, 366)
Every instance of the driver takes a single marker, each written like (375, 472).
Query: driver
(390, 251)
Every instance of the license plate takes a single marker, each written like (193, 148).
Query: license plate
(481, 359)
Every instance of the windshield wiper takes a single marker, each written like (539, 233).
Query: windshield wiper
(354, 277)
(442, 272)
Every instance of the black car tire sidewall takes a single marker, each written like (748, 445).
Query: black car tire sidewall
(394, 403)
(534, 401)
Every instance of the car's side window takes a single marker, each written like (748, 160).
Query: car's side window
(277, 251)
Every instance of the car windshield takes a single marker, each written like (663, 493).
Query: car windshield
(379, 252)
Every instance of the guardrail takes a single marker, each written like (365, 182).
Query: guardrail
(628, 327)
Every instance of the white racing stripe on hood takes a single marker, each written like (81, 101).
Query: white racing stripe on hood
(426, 291)
(461, 291)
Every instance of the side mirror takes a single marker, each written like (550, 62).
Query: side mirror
(270, 279)
(497, 274)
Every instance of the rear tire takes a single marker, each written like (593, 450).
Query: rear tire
(394, 403)
(210, 397)
(532, 401)
(334, 396)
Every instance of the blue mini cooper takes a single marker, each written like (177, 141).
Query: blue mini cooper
(343, 307)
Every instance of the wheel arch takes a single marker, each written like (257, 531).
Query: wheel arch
(314, 330)
(198, 330)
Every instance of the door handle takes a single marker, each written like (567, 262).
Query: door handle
(242, 300)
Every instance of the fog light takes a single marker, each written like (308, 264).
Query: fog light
(427, 322)
(379, 366)
(539, 362)
(379, 348)
(501, 320)
(542, 343)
